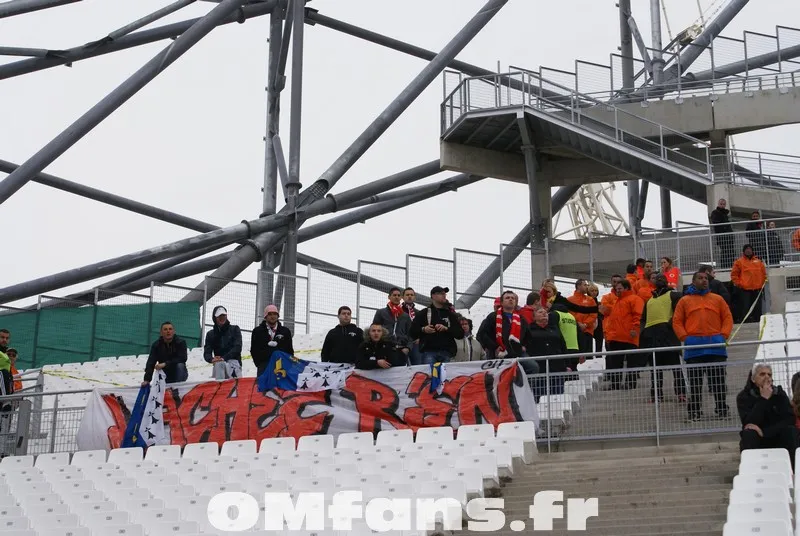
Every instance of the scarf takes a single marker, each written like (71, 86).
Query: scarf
(409, 309)
(396, 310)
(272, 332)
(513, 336)
(692, 290)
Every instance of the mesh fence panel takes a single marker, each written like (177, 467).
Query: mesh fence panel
(122, 323)
(185, 316)
(21, 324)
(424, 273)
(296, 319)
(329, 290)
(592, 78)
(371, 299)
(62, 337)
(788, 37)
(616, 70)
(468, 266)
(517, 275)
(239, 299)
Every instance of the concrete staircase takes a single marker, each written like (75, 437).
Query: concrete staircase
(668, 490)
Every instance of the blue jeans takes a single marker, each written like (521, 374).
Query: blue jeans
(414, 356)
(441, 356)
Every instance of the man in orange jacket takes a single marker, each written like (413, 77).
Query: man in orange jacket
(586, 321)
(703, 318)
(644, 288)
(748, 275)
(622, 333)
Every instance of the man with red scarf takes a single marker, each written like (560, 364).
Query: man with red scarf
(505, 333)
(395, 320)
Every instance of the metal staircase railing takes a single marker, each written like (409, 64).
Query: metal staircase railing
(526, 88)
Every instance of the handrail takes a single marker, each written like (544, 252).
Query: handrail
(710, 225)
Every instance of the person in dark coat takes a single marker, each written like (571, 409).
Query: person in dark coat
(723, 233)
(657, 332)
(546, 340)
(342, 342)
(514, 333)
(775, 250)
(766, 413)
(169, 354)
(437, 328)
(396, 320)
(715, 286)
(223, 346)
(757, 235)
(268, 337)
(378, 350)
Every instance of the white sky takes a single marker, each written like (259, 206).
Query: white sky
(191, 141)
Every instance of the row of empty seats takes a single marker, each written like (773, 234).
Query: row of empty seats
(762, 499)
(167, 491)
(778, 327)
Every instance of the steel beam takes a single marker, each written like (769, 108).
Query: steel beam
(641, 206)
(19, 7)
(113, 200)
(22, 51)
(148, 19)
(328, 179)
(492, 272)
(98, 48)
(115, 99)
(737, 67)
(626, 44)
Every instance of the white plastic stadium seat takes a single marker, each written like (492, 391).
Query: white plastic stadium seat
(525, 430)
(754, 466)
(758, 528)
(157, 453)
(766, 480)
(127, 455)
(476, 431)
(754, 495)
(394, 437)
(438, 435)
(16, 461)
(315, 443)
(763, 455)
(356, 441)
(200, 451)
(88, 457)
(245, 447)
(766, 511)
(276, 445)
(59, 459)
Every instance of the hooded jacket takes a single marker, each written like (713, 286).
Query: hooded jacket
(224, 341)
(584, 300)
(660, 334)
(444, 341)
(771, 415)
(702, 317)
(173, 355)
(341, 344)
(718, 216)
(369, 353)
(260, 348)
(749, 274)
(399, 328)
(625, 317)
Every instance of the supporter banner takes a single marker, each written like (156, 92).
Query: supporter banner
(493, 391)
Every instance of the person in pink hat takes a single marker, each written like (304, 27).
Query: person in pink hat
(269, 336)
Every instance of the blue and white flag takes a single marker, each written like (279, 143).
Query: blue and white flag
(438, 377)
(292, 374)
(146, 423)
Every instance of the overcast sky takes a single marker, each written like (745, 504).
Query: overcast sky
(191, 141)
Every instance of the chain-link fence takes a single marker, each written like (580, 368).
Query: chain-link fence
(21, 323)
(330, 289)
(123, 323)
(424, 273)
(468, 266)
(374, 281)
(239, 300)
(168, 305)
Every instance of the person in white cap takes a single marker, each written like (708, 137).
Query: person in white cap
(269, 336)
(223, 347)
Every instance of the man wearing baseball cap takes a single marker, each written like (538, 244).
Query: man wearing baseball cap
(437, 327)
(269, 336)
(223, 347)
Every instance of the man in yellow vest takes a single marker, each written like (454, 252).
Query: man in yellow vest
(657, 332)
(569, 331)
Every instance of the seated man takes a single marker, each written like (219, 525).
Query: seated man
(378, 350)
(766, 413)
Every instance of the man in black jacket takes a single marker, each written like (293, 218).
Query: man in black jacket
(437, 327)
(723, 233)
(715, 286)
(766, 413)
(169, 354)
(378, 351)
(396, 321)
(342, 342)
(223, 346)
(515, 332)
(268, 337)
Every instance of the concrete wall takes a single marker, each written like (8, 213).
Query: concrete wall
(743, 200)
(609, 255)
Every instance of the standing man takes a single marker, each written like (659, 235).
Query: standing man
(703, 318)
(644, 280)
(223, 346)
(623, 335)
(437, 327)
(469, 348)
(12, 355)
(410, 308)
(269, 336)
(6, 378)
(169, 354)
(715, 285)
(748, 275)
(657, 332)
(723, 233)
(504, 333)
(586, 322)
(342, 342)
(396, 321)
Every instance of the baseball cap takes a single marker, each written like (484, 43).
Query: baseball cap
(270, 309)
(437, 289)
(219, 310)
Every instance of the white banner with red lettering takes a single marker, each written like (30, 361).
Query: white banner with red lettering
(493, 391)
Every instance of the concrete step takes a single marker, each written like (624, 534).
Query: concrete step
(623, 483)
(640, 522)
(576, 490)
(637, 464)
(706, 498)
(666, 452)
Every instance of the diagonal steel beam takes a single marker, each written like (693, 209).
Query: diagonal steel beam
(19, 7)
(115, 99)
(113, 200)
(98, 48)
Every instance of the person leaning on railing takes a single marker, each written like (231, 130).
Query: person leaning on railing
(703, 318)
(169, 354)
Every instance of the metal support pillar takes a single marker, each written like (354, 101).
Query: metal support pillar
(634, 223)
(115, 99)
(289, 261)
(626, 45)
(270, 189)
(658, 78)
(537, 239)
(385, 119)
(642, 204)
